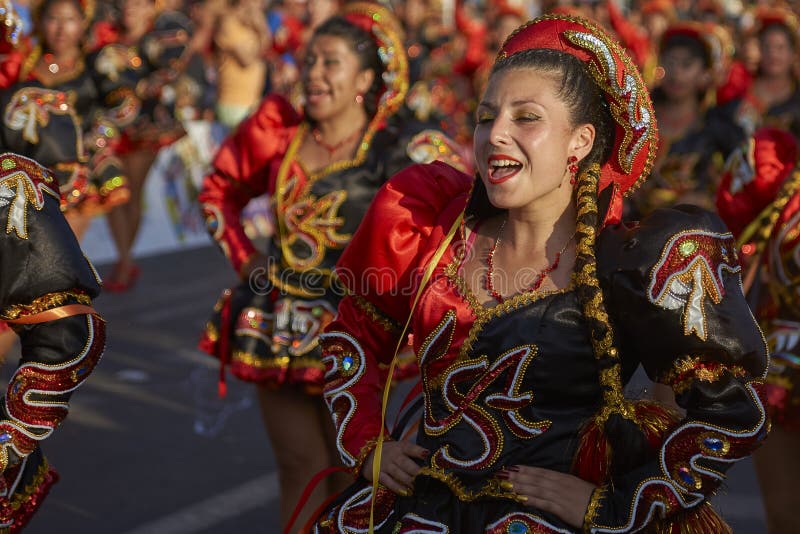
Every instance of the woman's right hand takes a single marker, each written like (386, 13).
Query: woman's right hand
(398, 467)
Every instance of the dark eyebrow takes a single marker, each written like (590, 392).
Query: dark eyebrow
(515, 103)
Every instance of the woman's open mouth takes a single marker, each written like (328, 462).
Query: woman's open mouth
(502, 168)
(314, 95)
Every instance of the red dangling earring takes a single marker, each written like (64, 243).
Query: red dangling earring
(572, 163)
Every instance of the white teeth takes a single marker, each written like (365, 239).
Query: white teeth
(504, 163)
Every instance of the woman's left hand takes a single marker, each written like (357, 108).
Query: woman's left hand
(564, 495)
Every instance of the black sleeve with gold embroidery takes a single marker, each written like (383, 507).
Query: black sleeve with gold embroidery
(41, 268)
(673, 290)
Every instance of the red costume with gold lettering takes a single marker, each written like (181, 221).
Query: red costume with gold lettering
(527, 381)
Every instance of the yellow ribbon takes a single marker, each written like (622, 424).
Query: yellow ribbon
(376, 461)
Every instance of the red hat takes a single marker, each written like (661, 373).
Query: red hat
(10, 25)
(753, 176)
(716, 40)
(386, 31)
(766, 16)
(665, 7)
(614, 72)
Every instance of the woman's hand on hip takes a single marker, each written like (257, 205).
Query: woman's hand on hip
(398, 467)
(561, 494)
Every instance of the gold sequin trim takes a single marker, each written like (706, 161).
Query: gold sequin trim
(685, 371)
(212, 333)
(375, 314)
(484, 314)
(491, 487)
(364, 453)
(280, 362)
(594, 505)
(44, 303)
(762, 227)
(38, 479)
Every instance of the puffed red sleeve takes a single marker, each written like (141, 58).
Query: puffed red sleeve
(753, 176)
(240, 172)
(380, 270)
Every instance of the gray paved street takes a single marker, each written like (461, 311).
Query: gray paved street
(148, 448)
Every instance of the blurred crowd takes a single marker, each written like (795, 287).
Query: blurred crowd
(141, 72)
(97, 92)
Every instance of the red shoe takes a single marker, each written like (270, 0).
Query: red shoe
(116, 285)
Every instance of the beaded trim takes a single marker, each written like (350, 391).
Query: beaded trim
(375, 314)
(592, 510)
(44, 303)
(685, 371)
(30, 183)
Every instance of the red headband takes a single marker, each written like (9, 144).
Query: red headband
(614, 72)
(385, 30)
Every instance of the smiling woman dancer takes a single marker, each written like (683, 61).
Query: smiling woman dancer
(321, 170)
(526, 335)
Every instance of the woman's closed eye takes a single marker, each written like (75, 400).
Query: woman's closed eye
(527, 117)
(326, 61)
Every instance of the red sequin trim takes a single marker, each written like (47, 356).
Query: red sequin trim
(34, 398)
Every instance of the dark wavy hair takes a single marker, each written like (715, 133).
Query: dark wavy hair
(364, 46)
(587, 104)
(694, 46)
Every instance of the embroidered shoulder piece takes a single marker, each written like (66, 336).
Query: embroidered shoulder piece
(432, 145)
(31, 108)
(691, 270)
(23, 182)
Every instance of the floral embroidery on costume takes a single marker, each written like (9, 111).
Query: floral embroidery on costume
(23, 182)
(311, 223)
(690, 270)
(344, 366)
(31, 107)
(432, 145)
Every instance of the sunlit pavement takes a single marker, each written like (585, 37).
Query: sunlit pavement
(148, 447)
